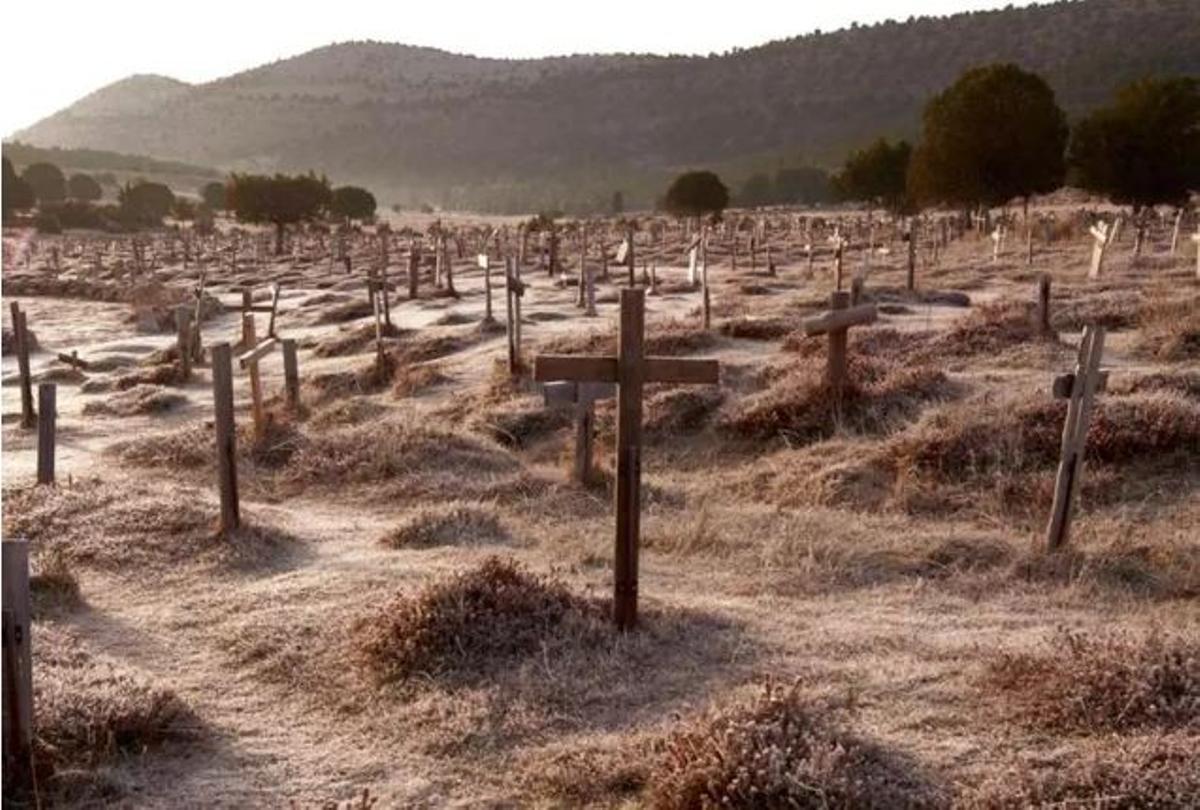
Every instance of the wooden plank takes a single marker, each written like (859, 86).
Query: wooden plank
(261, 350)
(226, 436)
(183, 340)
(578, 368)
(629, 461)
(560, 393)
(249, 338)
(18, 665)
(1064, 383)
(274, 310)
(1058, 527)
(838, 319)
(291, 375)
(47, 418)
(681, 370)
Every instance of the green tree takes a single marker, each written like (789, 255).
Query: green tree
(352, 202)
(213, 195)
(1144, 148)
(84, 187)
(877, 174)
(47, 182)
(144, 203)
(695, 194)
(281, 200)
(995, 134)
(18, 195)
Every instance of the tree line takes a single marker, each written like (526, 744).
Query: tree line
(279, 200)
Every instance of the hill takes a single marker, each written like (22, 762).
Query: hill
(420, 124)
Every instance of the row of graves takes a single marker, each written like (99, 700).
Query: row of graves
(395, 267)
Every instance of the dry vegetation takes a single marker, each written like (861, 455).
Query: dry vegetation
(878, 553)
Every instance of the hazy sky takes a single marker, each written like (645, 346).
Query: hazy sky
(56, 52)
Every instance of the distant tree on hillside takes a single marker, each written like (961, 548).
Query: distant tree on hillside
(352, 202)
(757, 190)
(47, 182)
(281, 200)
(144, 203)
(995, 134)
(877, 174)
(1144, 148)
(18, 194)
(696, 193)
(802, 184)
(84, 187)
(213, 195)
(616, 206)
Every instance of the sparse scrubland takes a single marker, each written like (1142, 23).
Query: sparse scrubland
(845, 599)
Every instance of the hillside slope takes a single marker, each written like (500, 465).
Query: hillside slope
(417, 123)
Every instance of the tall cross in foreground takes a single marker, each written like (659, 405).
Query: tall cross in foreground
(630, 370)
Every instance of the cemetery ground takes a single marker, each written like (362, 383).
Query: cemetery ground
(845, 600)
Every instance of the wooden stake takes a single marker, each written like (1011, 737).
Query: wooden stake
(291, 375)
(1043, 304)
(226, 435)
(250, 342)
(183, 341)
(21, 341)
(18, 666)
(47, 417)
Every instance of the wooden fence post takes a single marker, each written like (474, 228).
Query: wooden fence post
(226, 435)
(183, 338)
(291, 375)
(1043, 304)
(21, 344)
(18, 665)
(47, 397)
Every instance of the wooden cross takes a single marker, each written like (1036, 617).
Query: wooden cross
(998, 241)
(1196, 239)
(1100, 234)
(839, 243)
(514, 289)
(1080, 389)
(581, 397)
(630, 370)
(485, 264)
(836, 323)
(18, 667)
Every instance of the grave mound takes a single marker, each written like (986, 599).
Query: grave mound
(452, 524)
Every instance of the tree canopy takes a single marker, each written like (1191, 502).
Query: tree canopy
(1144, 148)
(995, 134)
(145, 203)
(18, 194)
(877, 174)
(352, 202)
(213, 195)
(280, 200)
(47, 182)
(696, 193)
(84, 187)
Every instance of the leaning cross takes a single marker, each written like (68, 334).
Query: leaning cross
(581, 397)
(1080, 390)
(630, 370)
(1099, 233)
(836, 323)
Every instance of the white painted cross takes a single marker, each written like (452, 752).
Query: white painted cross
(1100, 234)
(1196, 239)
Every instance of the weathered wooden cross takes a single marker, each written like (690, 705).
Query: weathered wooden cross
(839, 243)
(1100, 239)
(18, 667)
(630, 370)
(485, 264)
(514, 289)
(1080, 388)
(836, 323)
(582, 398)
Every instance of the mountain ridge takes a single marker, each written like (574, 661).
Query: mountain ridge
(417, 123)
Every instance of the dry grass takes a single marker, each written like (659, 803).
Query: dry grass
(1169, 329)
(451, 524)
(411, 381)
(52, 584)
(161, 374)
(189, 448)
(141, 399)
(1154, 773)
(989, 330)
(1080, 683)
(90, 712)
(801, 407)
(474, 622)
(677, 411)
(345, 412)
(781, 751)
(132, 529)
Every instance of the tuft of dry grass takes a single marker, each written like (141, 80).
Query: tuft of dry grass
(757, 328)
(676, 411)
(990, 329)
(345, 412)
(413, 380)
(53, 585)
(91, 710)
(1169, 329)
(800, 406)
(141, 399)
(781, 751)
(1097, 684)
(188, 448)
(450, 524)
(472, 623)
(161, 374)
(1154, 773)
